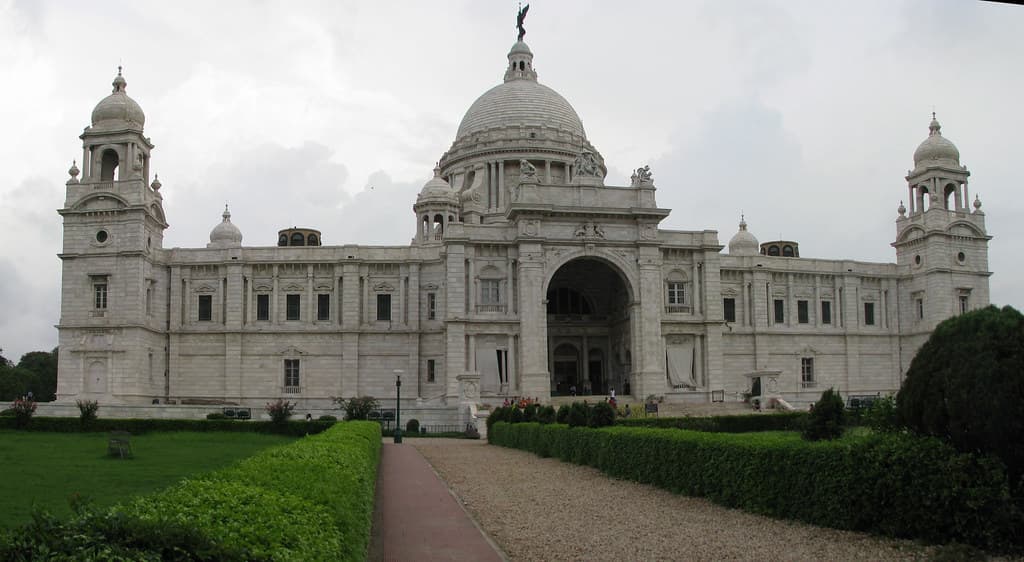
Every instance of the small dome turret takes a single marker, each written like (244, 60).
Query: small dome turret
(743, 243)
(225, 234)
(437, 189)
(118, 111)
(936, 149)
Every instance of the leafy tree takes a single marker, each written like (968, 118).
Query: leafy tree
(357, 407)
(826, 419)
(966, 385)
(601, 415)
(44, 365)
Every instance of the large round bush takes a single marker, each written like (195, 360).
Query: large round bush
(966, 385)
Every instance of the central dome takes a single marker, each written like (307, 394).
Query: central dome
(520, 102)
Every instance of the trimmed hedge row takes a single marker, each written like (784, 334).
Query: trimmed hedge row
(891, 484)
(308, 500)
(140, 426)
(788, 421)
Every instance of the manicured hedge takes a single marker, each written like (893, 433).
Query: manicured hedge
(893, 484)
(140, 426)
(309, 500)
(788, 421)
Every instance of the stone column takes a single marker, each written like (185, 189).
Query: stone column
(501, 183)
(533, 322)
(648, 357)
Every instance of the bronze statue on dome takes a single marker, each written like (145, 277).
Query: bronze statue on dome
(520, 19)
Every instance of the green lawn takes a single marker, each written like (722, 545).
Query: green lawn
(44, 469)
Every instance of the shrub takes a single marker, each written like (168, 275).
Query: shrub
(894, 484)
(357, 408)
(881, 415)
(578, 415)
(826, 419)
(87, 411)
(280, 410)
(530, 412)
(141, 426)
(601, 415)
(966, 385)
(516, 415)
(546, 414)
(216, 416)
(412, 426)
(327, 418)
(496, 415)
(562, 416)
(779, 421)
(23, 411)
(7, 413)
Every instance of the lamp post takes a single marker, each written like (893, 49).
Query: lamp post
(398, 405)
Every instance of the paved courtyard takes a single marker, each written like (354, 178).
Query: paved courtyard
(544, 509)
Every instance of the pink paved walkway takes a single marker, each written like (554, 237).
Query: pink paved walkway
(415, 516)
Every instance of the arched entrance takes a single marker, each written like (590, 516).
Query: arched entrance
(589, 331)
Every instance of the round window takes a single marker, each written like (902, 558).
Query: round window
(101, 236)
(917, 260)
(961, 257)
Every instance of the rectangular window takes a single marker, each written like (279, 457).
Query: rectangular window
(323, 307)
(149, 301)
(807, 372)
(826, 312)
(431, 306)
(100, 296)
(869, 314)
(490, 291)
(384, 307)
(263, 307)
(729, 305)
(205, 308)
(780, 311)
(502, 357)
(291, 373)
(920, 309)
(964, 304)
(676, 294)
(431, 370)
(802, 314)
(293, 305)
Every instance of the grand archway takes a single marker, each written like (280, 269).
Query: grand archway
(589, 331)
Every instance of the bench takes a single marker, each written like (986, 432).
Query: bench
(651, 408)
(119, 444)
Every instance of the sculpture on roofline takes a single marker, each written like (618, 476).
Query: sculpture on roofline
(520, 19)
(527, 172)
(586, 165)
(642, 176)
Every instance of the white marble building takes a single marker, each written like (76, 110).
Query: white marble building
(526, 275)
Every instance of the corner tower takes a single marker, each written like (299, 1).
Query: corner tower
(114, 295)
(941, 239)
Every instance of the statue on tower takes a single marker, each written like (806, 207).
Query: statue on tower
(520, 19)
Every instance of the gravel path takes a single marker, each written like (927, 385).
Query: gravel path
(544, 509)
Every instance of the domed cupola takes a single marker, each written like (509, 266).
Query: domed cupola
(225, 234)
(437, 206)
(437, 190)
(118, 111)
(936, 149)
(743, 243)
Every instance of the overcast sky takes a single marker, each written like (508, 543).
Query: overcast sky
(802, 114)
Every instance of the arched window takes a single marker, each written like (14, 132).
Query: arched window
(773, 250)
(787, 251)
(312, 241)
(522, 65)
(923, 198)
(438, 227)
(298, 239)
(950, 190)
(108, 168)
(283, 240)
